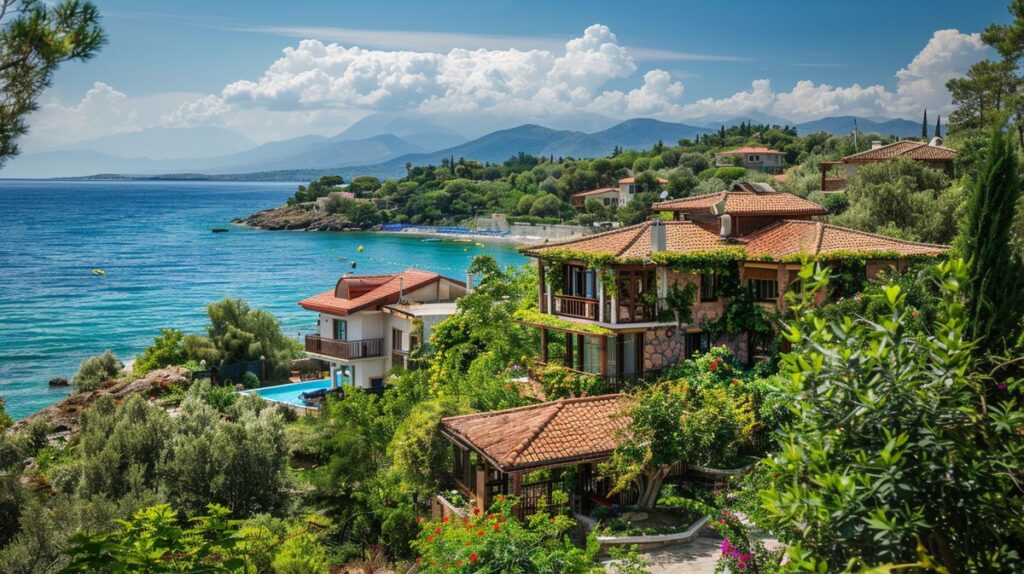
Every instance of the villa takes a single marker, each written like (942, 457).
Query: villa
(369, 324)
(609, 196)
(835, 174)
(762, 159)
(626, 303)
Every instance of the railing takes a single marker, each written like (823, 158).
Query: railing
(579, 307)
(833, 185)
(362, 349)
(530, 495)
(638, 312)
(605, 384)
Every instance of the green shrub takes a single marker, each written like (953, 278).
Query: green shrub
(96, 370)
(167, 349)
(250, 380)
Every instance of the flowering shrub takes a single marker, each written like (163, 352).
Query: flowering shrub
(496, 541)
(750, 559)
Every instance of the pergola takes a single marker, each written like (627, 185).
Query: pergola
(512, 443)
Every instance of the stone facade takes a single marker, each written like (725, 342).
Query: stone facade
(663, 347)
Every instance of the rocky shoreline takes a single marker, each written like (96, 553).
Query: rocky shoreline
(300, 217)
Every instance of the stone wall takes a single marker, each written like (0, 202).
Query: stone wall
(664, 347)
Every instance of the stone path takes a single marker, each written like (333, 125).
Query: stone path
(697, 557)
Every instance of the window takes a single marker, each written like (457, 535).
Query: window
(709, 283)
(580, 281)
(396, 339)
(697, 343)
(764, 289)
(341, 330)
(376, 382)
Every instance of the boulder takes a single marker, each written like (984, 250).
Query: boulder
(63, 415)
(58, 382)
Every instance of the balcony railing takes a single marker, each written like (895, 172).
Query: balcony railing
(578, 307)
(362, 349)
(833, 185)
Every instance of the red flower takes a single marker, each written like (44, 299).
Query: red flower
(473, 558)
(437, 530)
(419, 519)
(418, 559)
(476, 511)
(465, 520)
(445, 519)
(430, 538)
(501, 498)
(497, 527)
(479, 532)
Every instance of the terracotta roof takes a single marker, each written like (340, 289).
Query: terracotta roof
(792, 238)
(597, 191)
(745, 203)
(633, 179)
(747, 149)
(354, 293)
(634, 242)
(556, 433)
(920, 151)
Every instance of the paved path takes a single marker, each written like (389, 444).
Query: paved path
(697, 557)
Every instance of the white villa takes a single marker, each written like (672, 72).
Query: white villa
(370, 323)
(611, 195)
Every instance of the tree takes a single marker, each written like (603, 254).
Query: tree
(35, 38)
(546, 206)
(893, 442)
(96, 370)
(670, 423)
(924, 126)
(167, 349)
(994, 305)
(239, 333)
(420, 454)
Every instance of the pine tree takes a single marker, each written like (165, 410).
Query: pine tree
(924, 126)
(993, 305)
(938, 127)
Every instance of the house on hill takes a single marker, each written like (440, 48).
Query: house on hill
(611, 195)
(627, 303)
(754, 158)
(368, 324)
(835, 174)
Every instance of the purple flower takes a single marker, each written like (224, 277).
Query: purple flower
(1001, 386)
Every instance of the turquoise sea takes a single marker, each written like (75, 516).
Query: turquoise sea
(163, 265)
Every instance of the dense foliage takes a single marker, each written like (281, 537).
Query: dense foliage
(94, 371)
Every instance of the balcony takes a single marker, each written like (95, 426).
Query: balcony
(345, 350)
(577, 307)
(833, 184)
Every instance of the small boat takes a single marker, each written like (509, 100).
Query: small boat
(342, 258)
(431, 240)
(478, 244)
(359, 249)
(220, 230)
(98, 271)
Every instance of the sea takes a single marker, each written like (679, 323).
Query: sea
(162, 265)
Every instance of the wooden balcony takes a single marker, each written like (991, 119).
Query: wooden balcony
(833, 184)
(577, 307)
(346, 350)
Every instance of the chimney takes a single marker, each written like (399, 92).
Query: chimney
(658, 241)
(875, 144)
(726, 229)
(401, 294)
(469, 282)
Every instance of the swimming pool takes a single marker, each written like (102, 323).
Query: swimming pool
(289, 394)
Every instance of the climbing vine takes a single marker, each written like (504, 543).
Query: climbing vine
(679, 303)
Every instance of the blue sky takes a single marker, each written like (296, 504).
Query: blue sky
(201, 63)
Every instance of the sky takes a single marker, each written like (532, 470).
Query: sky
(274, 70)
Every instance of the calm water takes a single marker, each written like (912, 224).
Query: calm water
(163, 266)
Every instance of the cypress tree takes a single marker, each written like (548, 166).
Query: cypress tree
(994, 305)
(938, 127)
(924, 126)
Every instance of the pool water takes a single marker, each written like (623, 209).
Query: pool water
(289, 394)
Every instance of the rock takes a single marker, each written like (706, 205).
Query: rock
(63, 415)
(298, 217)
(58, 382)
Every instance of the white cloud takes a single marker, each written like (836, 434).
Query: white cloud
(922, 84)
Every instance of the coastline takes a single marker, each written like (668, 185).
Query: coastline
(521, 241)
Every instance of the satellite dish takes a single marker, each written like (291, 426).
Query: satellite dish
(663, 194)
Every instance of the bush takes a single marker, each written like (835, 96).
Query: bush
(250, 380)
(167, 349)
(96, 370)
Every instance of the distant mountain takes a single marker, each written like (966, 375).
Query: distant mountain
(642, 133)
(322, 153)
(715, 122)
(167, 143)
(843, 125)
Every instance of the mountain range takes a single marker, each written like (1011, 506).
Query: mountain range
(382, 144)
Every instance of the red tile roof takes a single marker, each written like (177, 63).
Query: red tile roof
(795, 238)
(556, 433)
(748, 149)
(920, 151)
(597, 191)
(633, 180)
(355, 293)
(744, 203)
(634, 242)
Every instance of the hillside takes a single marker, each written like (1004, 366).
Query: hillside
(843, 125)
